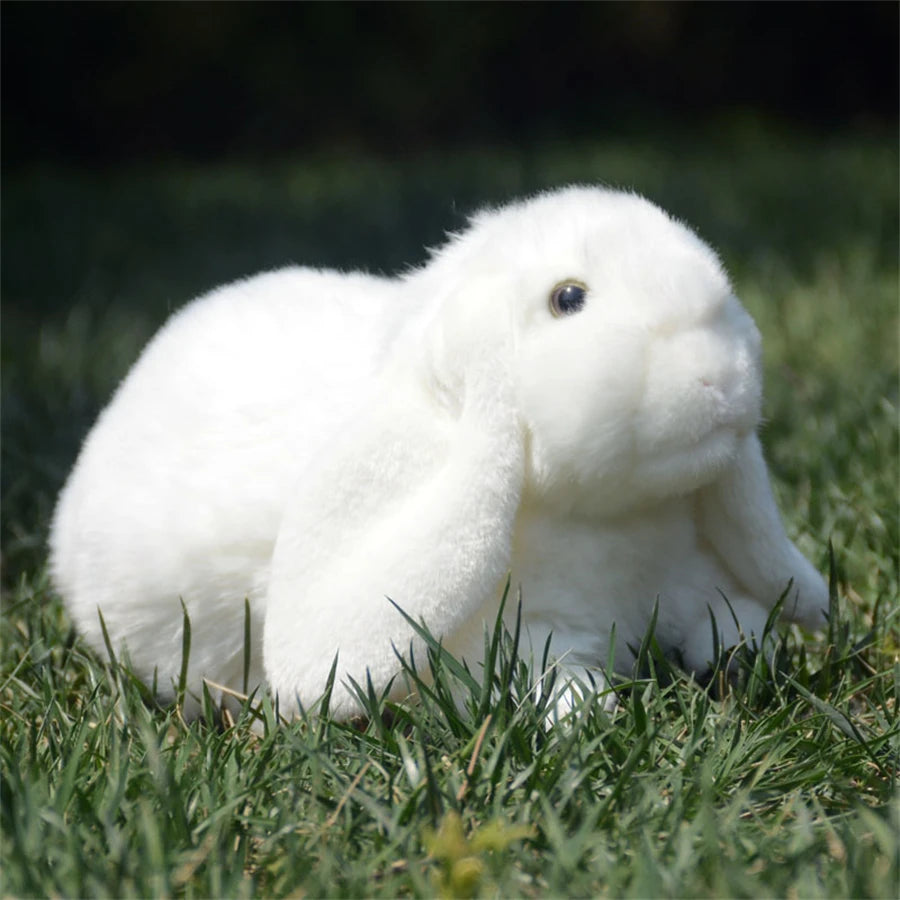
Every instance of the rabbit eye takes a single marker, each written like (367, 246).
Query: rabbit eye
(567, 298)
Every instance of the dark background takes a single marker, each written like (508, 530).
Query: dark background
(94, 84)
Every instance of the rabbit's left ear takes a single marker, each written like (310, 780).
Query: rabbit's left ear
(739, 518)
(416, 503)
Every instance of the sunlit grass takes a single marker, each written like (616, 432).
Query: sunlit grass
(785, 779)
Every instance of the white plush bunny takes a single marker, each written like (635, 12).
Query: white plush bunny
(568, 391)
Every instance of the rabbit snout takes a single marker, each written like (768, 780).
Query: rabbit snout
(701, 395)
(699, 380)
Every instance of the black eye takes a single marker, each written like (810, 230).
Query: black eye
(567, 298)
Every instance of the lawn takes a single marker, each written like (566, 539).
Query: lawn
(779, 782)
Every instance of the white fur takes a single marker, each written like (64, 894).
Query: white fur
(318, 442)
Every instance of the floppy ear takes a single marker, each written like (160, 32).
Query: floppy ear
(417, 503)
(739, 518)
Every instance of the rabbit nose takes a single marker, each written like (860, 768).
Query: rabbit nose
(724, 363)
(699, 379)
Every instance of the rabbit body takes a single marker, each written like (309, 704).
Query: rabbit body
(317, 442)
(180, 487)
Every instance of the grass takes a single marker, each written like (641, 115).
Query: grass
(780, 783)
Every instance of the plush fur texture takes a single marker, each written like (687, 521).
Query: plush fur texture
(318, 442)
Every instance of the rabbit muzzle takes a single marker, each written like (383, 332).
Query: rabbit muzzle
(702, 395)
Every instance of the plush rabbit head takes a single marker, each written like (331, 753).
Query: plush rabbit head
(635, 369)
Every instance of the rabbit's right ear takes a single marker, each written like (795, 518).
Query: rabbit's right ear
(417, 504)
(739, 519)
